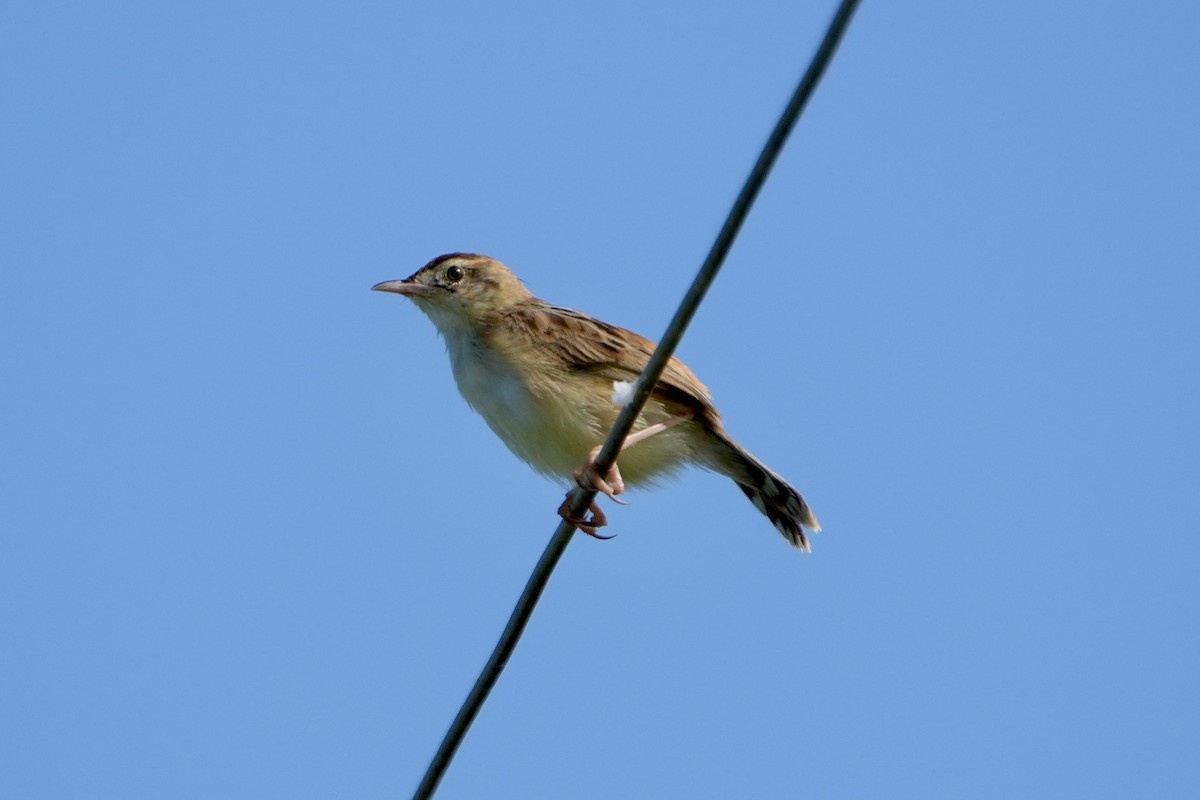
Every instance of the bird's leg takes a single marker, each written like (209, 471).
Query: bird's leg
(588, 526)
(589, 477)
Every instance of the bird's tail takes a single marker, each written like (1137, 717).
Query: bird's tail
(770, 493)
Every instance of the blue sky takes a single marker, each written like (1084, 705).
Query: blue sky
(253, 544)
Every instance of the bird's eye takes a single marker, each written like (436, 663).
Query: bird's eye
(454, 274)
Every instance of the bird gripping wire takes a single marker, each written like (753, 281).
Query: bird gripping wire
(583, 498)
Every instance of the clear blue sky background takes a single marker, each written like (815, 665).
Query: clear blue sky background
(255, 545)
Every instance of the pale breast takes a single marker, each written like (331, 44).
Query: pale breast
(552, 417)
(540, 427)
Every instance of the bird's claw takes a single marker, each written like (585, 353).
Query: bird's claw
(588, 526)
(589, 477)
(591, 531)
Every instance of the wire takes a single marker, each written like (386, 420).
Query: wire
(582, 498)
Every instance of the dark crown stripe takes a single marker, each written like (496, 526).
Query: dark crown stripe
(448, 256)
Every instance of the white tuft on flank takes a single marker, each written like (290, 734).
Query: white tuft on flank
(622, 393)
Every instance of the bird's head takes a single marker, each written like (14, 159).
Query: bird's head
(460, 289)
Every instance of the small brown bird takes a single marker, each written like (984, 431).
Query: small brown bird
(550, 382)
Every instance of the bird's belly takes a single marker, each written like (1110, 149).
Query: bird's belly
(543, 428)
(552, 423)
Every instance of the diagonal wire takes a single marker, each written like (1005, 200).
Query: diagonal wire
(582, 498)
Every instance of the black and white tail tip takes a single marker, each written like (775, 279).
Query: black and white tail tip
(786, 509)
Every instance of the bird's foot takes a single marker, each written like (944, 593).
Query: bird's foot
(588, 526)
(588, 477)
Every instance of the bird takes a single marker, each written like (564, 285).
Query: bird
(550, 381)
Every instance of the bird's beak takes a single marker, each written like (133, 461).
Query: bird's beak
(408, 288)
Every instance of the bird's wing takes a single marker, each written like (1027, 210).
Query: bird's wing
(583, 344)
